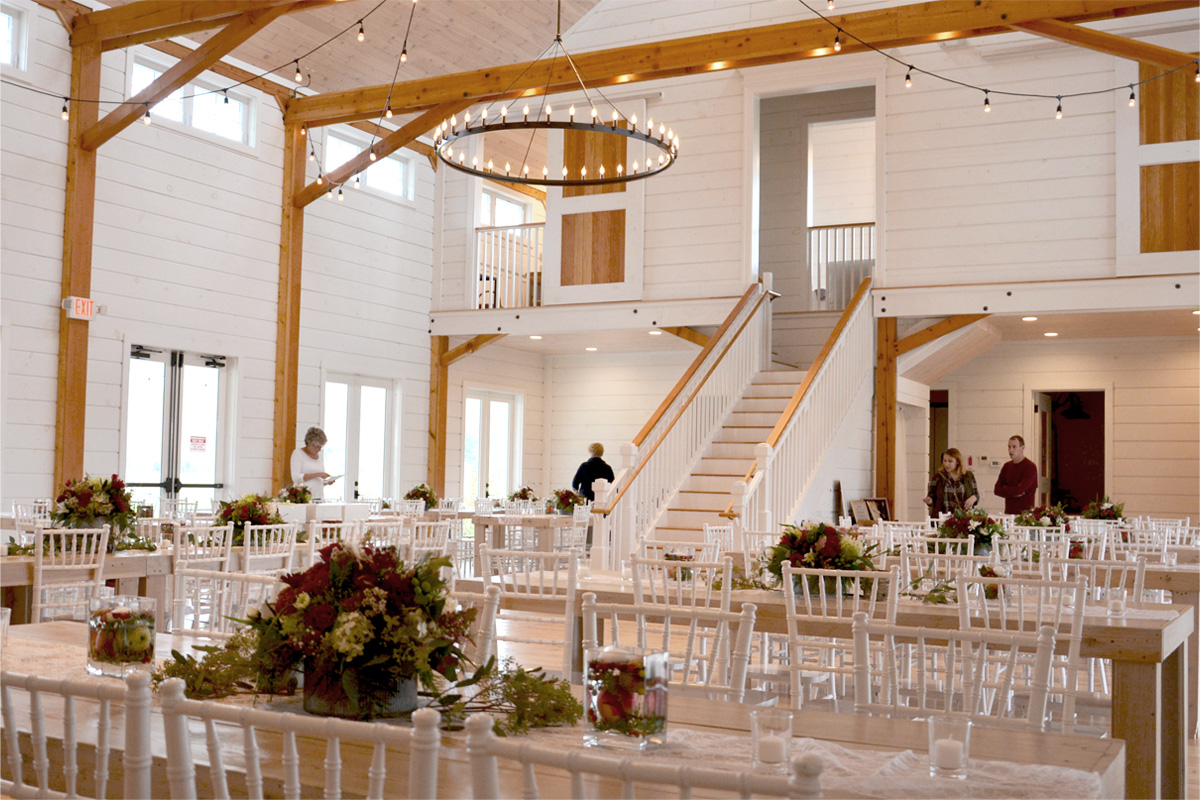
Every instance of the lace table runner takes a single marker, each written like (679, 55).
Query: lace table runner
(865, 773)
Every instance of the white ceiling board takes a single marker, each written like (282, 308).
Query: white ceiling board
(605, 342)
(1110, 325)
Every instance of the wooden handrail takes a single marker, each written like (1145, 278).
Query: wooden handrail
(644, 459)
(811, 375)
(510, 227)
(691, 370)
(845, 225)
(728, 512)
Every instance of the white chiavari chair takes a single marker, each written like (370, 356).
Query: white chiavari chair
(268, 549)
(411, 508)
(682, 632)
(214, 597)
(482, 635)
(652, 778)
(180, 510)
(816, 662)
(574, 537)
(685, 550)
(78, 701)
(1129, 544)
(29, 516)
(68, 569)
(724, 536)
(386, 532)
(755, 545)
(231, 734)
(955, 682)
(935, 544)
(322, 533)
(1025, 604)
(925, 569)
(532, 573)
(518, 534)
(485, 505)
(431, 538)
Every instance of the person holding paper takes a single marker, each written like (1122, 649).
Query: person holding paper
(308, 466)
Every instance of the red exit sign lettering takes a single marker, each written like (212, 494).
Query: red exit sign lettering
(80, 308)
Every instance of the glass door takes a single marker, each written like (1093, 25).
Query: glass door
(176, 413)
(358, 422)
(491, 433)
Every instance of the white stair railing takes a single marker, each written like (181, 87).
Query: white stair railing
(660, 458)
(510, 266)
(786, 463)
(839, 257)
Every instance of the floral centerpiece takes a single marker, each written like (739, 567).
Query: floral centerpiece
(818, 546)
(1043, 517)
(625, 694)
(425, 493)
(253, 509)
(565, 500)
(1104, 509)
(297, 493)
(367, 628)
(92, 502)
(975, 522)
(524, 493)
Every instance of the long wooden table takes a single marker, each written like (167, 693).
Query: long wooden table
(1104, 757)
(489, 530)
(1150, 686)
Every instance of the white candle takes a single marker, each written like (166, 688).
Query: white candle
(772, 749)
(1116, 606)
(948, 754)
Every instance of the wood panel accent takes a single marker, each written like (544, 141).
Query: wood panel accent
(885, 409)
(439, 383)
(287, 337)
(1168, 110)
(1109, 43)
(382, 149)
(1169, 207)
(78, 230)
(593, 248)
(687, 334)
(178, 75)
(585, 148)
(936, 331)
(939, 21)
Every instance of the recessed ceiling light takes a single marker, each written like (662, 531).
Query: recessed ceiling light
(1028, 319)
(590, 349)
(655, 333)
(535, 336)
(1050, 334)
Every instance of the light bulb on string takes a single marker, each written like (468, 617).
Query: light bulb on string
(66, 112)
(341, 196)
(1132, 96)
(829, 5)
(1058, 111)
(299, 77)
(837, 42)
(226, 97)
(329, 194)
(304, 129)
(320, 179)
(908, 78)
(372, 155)
(146, 119)
(987, 103)
(312, 154)
(357, 181)
(1198, 72)
(403, 54)
(362, 34)
(388, 111)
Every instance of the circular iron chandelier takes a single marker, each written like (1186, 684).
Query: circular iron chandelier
(661, 142)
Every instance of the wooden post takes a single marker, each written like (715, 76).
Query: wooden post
(287, 337)
(77, 267)
(439, 377)
(885, 410)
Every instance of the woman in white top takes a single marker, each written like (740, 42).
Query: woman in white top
(308, 467)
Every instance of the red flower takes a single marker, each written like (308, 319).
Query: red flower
(833, 545)
(285, 603)
(352, 603)
(320, 616)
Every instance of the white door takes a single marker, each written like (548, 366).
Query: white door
(491, 444)
(1041, 445)
(359, 422)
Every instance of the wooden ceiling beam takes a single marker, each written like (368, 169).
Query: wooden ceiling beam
(160, 20)
(470, 346)
(1109, 43)
(66, 10)
(687, 334)
(936, 21)
(178, 75)
(375, 129)
(382, 149)
(519, 188)
(936, 331)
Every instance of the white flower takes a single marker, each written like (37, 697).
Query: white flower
(1046, 521)
(302, 601)
(851, 548)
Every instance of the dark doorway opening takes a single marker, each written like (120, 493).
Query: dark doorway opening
(939, 427)
(1077, 422)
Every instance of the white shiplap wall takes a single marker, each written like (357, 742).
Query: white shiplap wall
(848, 461)
(186, 256)
(1153, 389)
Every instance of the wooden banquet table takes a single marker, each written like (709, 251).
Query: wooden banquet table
(492, 527)
(1151, 691)
(136, 572)
(1103, 757)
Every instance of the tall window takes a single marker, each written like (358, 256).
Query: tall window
(391, 175)
(174, 425)
(13, 29)
(200, 104)
(491, 444)
(359, 421)
(501, 211)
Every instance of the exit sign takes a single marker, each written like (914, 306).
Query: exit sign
(79, 308)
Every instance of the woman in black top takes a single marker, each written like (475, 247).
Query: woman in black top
(590, 471)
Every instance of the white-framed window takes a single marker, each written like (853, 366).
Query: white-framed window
(201, 104)
(492, 436)
(14, 36)
(501, 210)
(392, 176)
(360, 419)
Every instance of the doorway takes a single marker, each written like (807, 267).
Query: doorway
(359, 419)
(491, 444)
(1074, 454)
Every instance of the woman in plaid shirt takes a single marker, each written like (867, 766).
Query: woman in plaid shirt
(951, 487)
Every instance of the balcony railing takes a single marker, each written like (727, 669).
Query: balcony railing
(510, 266)
(839, 258)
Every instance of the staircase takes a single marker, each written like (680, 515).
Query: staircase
(706, 492)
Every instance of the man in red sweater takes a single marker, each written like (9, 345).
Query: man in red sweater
(1018, 481)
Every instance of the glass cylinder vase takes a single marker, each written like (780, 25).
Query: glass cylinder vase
(625, 696)
(120, 635)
